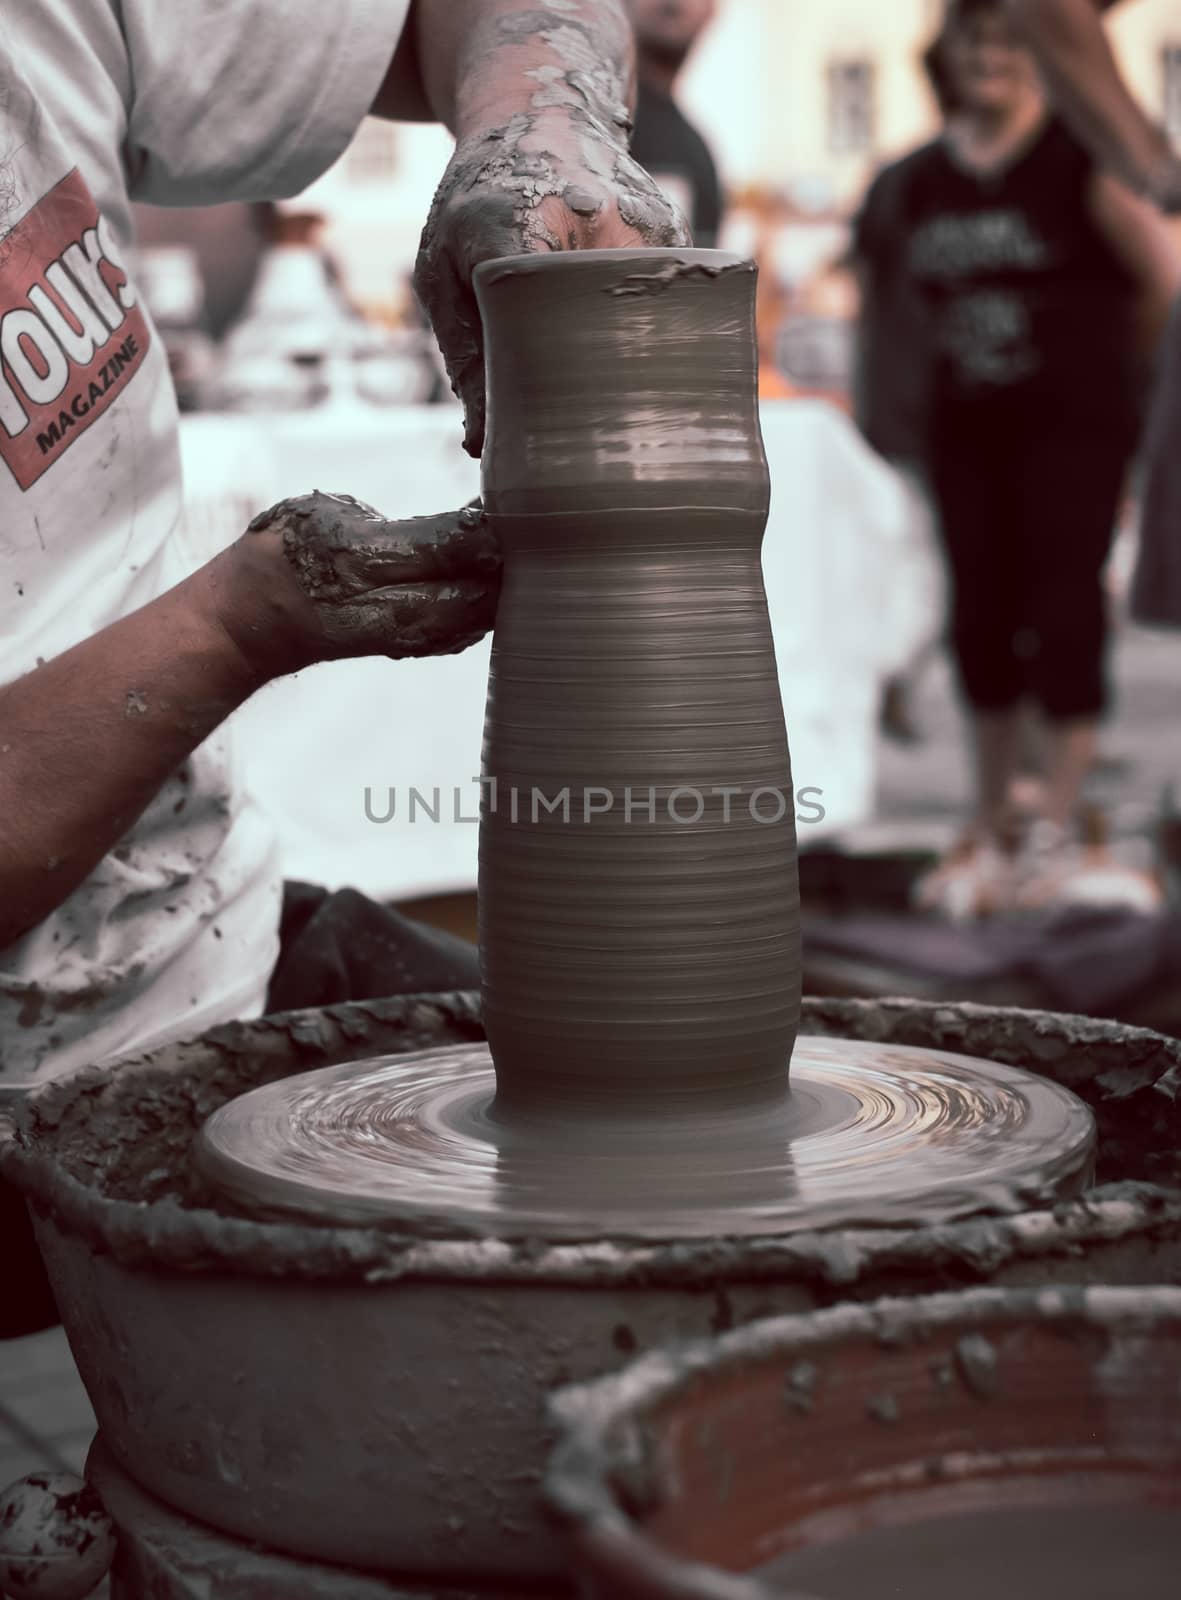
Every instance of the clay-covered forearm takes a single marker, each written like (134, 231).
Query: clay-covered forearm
(1145, 245)
(87, 739)
(484, 62)
(1076, 56)
(539, 94)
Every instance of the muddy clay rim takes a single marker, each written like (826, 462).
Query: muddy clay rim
(163, 1234)
(648, 258)
(597, 1422)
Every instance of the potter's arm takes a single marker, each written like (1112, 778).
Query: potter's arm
(539, 99)
(1144, 242)
(480, 62)
(88, 738)
(1069, 39)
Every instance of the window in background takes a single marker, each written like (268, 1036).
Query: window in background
(372, 157)
(852, 86)
(1171, 68)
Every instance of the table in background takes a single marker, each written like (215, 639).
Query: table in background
(328, 750)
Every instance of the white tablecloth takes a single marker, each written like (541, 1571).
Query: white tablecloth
(327, 752)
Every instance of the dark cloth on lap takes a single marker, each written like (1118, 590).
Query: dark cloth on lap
(342, 946)
(1091, 960)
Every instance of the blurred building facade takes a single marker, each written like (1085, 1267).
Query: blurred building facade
(800, 100)
(374, 202)
(803, 97)
(808, 97)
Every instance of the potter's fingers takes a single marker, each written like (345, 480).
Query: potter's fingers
(463, 352)
(469, 384)
(441, 619)
(632, 221)
(452, 544)
(657, 222)
(341, 547)
(332, 517)
(484, 226)
(465, 545)
(643, 209)
(553, 226)
(455, 317)
(402, 602)
(408, 620)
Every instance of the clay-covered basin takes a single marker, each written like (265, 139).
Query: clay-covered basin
(379, 1399)
(973, 1444)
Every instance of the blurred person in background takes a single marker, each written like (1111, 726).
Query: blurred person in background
(1073, 49)
(892, 379)
(665, 142)
(1049, 283)
(228, 243)
(1084, 77)
(1156, 583)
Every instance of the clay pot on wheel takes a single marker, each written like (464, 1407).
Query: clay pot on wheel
(639, 895)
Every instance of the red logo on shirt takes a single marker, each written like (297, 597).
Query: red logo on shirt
(71, 333)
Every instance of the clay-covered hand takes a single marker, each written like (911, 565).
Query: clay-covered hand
(549, 180)
(323, 577)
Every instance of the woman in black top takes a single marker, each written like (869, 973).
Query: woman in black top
(1045, 280)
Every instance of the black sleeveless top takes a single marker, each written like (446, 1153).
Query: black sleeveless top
(1029, 301)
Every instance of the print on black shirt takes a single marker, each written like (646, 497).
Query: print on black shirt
(1027, 296)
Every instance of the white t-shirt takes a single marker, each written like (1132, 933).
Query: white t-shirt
(181, 102)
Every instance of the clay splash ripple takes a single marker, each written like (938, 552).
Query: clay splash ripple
(869, 1136)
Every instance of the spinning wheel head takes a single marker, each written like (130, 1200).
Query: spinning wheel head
(869, 1136)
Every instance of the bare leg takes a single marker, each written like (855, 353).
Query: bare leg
(1071, 749)
(997, 737)
(973, 880)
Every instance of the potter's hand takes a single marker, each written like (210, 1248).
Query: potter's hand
(92, 735)
(556, 180)
(323, 577)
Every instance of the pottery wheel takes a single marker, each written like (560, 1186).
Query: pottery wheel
(869, 1135)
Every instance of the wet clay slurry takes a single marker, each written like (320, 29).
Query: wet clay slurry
(639, 905)
(1098, 1553)
(413, 1137)
(1024, 1443)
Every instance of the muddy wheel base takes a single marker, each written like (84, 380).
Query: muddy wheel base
(169, 1557)
(866, 1136)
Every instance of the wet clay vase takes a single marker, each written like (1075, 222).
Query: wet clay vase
(639, 903)
(972, 1445)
